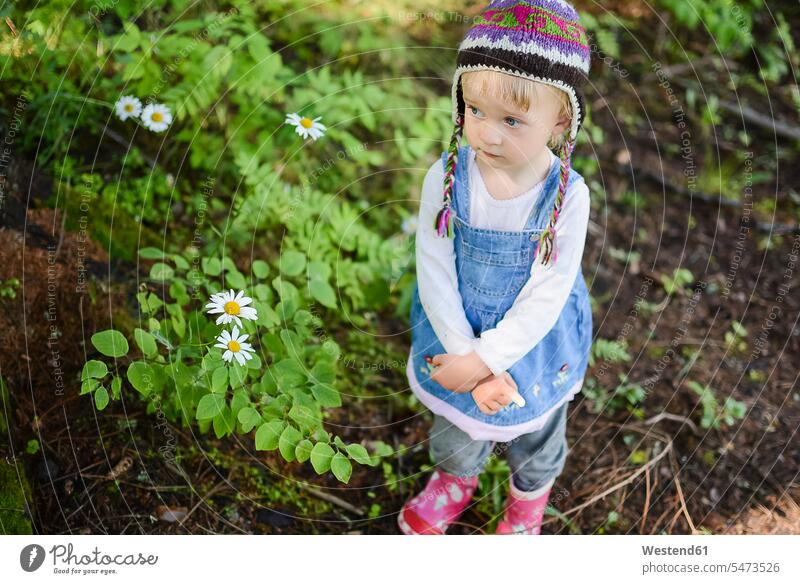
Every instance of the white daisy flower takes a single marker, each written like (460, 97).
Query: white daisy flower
(235, 346)
(232, 307)
(306, 126)
(128, 106)
(156, 117)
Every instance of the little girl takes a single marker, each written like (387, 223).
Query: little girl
(501, 319)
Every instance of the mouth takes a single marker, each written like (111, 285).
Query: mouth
(490, 155)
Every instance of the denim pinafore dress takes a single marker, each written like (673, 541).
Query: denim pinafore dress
(493, 266)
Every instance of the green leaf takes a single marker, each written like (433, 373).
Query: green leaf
(254, 362)
(305, 417)
(323, 293)
(266, 315)
(219, 380)
(89, 385)
(359, 454)
(151, 253)
(326, 396)
(323, 372)
(268, 435)
(94, 369)
(210, 405)
(141, 377)
(101, 398)
(154, 303)
(180, 261)
(249, 418)
(292, 262)
(224, 423)
(303, 450)
(145, 341)
(110, 343)
(288, 441)
(236, 280)
(318, 270)
(288, 373)
(341, 467)
(238, 375)
(211, 266)
(260, 269)
(116, 387)
(129, 41)
(321, 456)
(161, 271)
(240, 400)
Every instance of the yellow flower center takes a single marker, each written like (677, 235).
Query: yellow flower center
(128, 107)
(234, 346)
(306, 122)
(157, 117)
(232, 308)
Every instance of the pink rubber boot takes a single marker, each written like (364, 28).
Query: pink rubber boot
(524, 511)
(440, 503)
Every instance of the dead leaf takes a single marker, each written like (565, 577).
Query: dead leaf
(120, 468)
(170, 514)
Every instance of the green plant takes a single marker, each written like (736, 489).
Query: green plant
(626, 257)
(681, 277)
(728, 23)
(32, 447)
(8, 288)
(611, 351)
(493, 486)
(715, 415)
(183, 374)
(734, 338)
(611, 521)
(625, 396)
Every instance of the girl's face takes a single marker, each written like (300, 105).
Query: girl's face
(506, 137)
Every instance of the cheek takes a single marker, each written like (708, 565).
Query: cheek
(469, 128)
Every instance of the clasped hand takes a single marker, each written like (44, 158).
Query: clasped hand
(469, 373)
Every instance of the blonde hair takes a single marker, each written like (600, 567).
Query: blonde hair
(519, 91)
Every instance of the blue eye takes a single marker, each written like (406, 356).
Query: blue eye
(516, 122)
(475, 111)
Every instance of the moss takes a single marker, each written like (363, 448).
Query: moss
(15, 491)
(128, 235)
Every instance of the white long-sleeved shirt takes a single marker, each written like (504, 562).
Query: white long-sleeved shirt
(539, 303)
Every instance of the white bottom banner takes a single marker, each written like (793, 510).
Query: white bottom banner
(342, 560)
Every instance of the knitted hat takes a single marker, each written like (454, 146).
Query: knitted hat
(540, 40)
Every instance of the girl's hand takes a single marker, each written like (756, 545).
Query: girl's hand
(458, 373)
(496, 392)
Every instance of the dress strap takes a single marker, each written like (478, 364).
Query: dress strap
(540, 213)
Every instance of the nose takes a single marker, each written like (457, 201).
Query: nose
(490, 135)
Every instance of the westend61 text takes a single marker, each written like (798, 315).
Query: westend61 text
(692, 550)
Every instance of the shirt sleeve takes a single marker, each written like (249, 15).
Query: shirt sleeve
(540, 302)
(436, 271)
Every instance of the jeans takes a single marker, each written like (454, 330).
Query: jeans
(535, 459)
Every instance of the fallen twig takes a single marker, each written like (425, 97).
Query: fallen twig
(650, 464)
(646, 499)
(682, 500)
(673, 417)
(332, 499)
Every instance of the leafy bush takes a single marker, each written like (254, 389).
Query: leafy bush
(280, 392)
